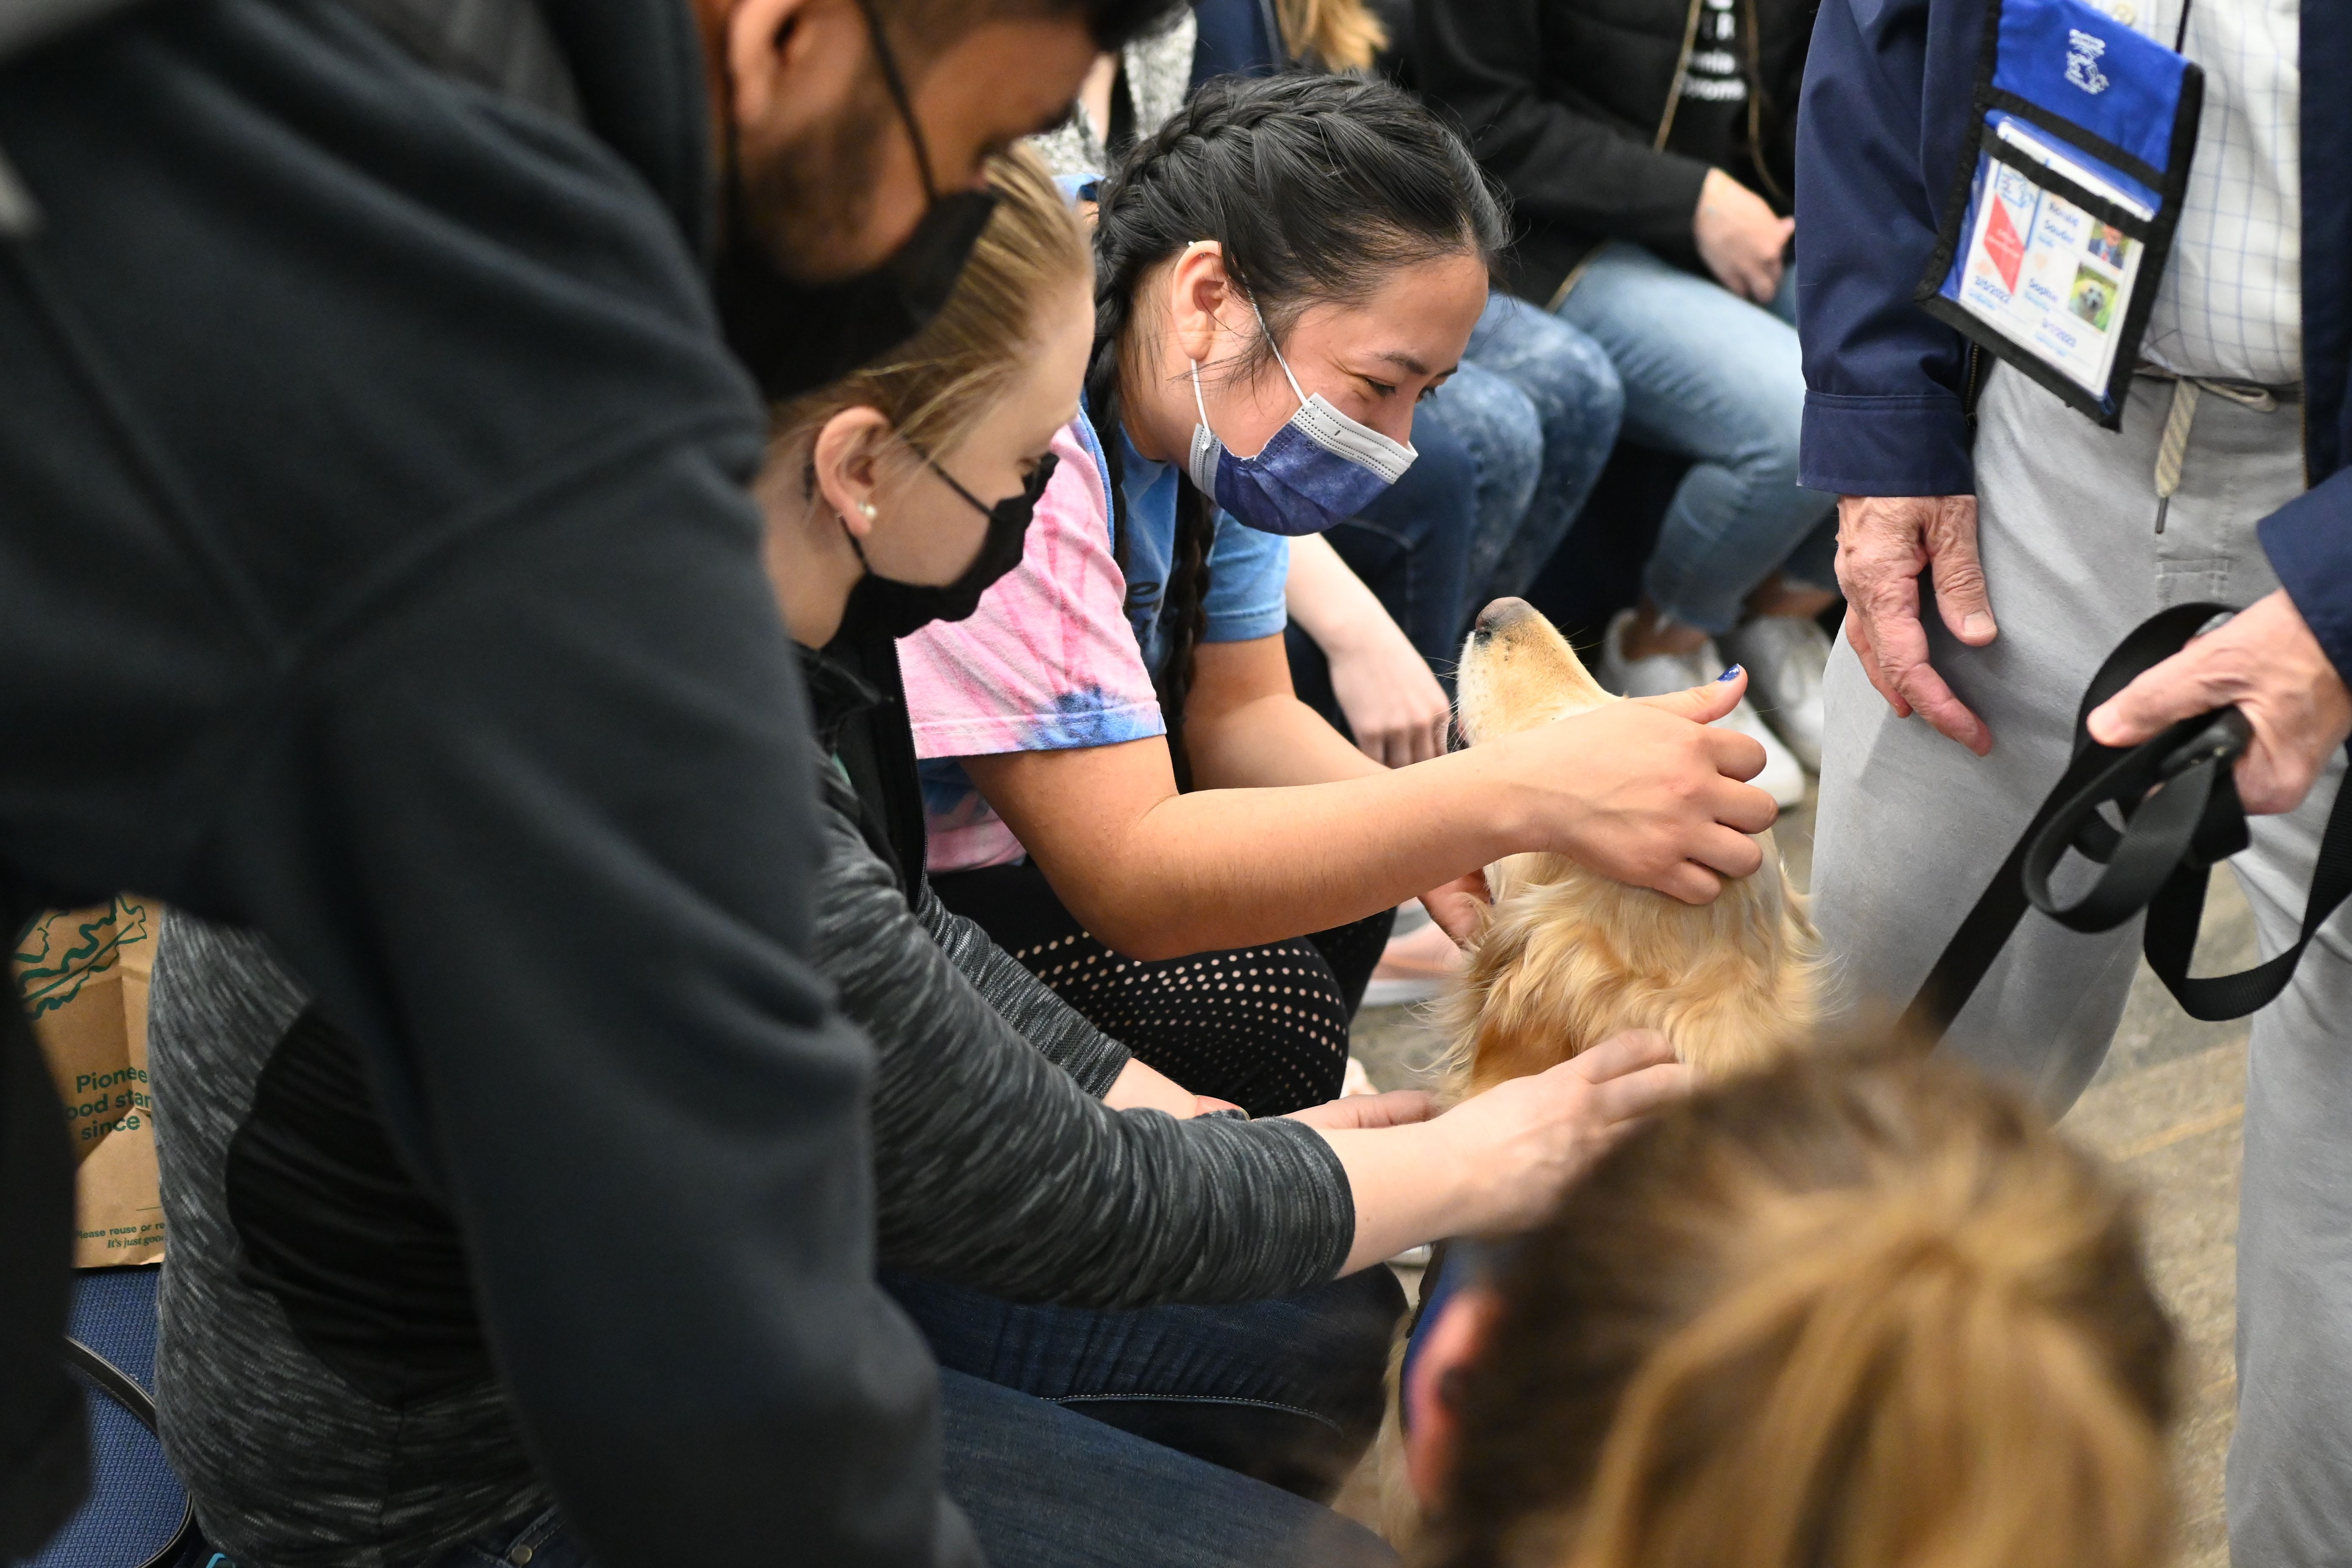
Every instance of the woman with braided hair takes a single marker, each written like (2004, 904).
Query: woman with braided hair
(1121, 786)
(1847, 1313)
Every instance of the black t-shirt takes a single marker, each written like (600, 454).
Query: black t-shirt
(1711, 111)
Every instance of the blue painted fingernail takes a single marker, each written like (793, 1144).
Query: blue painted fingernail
(1728, 674)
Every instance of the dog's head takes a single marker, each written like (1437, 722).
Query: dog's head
(1567, 957)
(1518, 672)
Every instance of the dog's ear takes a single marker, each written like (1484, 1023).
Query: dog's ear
(1541, 985)
(1461, 1015)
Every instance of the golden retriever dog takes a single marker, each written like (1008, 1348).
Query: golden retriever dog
(1566, 957)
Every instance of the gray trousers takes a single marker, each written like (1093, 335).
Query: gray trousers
(1912, 826)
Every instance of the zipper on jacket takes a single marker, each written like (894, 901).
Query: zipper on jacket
(1674, 87)
(1754, 93)
(1756, 104)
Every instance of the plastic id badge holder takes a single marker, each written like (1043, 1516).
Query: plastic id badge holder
(2053, 243)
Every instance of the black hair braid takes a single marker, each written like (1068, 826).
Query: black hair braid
(1186, 608)
(1316, 188)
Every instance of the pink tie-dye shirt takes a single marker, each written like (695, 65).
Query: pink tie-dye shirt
(1048, 662)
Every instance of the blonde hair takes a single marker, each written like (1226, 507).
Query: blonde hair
(934, 387)
(1849, 1312)
(1339, 35)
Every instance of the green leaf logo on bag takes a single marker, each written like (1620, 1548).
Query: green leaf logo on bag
(64, 953)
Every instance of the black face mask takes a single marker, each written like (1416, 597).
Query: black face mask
(883, 607)
(793, 337)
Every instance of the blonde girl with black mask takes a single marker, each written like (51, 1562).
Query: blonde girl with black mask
(1129, 795)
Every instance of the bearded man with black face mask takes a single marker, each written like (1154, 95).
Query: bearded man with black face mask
(377, 572)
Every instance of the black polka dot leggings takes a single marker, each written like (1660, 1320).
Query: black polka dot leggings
(1265, 1027)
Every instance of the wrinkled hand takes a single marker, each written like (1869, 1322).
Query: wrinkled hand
(1395, 707)
(1397, 1107)
(1884, 543)
(1459, 906)
(1739, 238)
(2265, 660)
(1644, 792)
(1533, 1136)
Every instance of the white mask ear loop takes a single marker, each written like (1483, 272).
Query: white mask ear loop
(1298, 391)
(1202, 406)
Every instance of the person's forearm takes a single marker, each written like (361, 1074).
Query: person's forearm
(1062, 1035)
(1409, 1188)
(1228, 867)
(1499, 1161)
(1268, 742)
(1327, 599)
(994, 1168)
(1142, 1088)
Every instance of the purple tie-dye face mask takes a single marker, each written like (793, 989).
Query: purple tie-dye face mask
(1319, 469)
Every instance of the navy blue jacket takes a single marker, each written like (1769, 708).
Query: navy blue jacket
(1884, 125)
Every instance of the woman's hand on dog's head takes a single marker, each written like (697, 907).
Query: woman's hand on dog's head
(1530, 1137)
(1497, 1162)
(1646, 793)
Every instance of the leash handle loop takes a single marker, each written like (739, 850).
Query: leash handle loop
(2178, 796)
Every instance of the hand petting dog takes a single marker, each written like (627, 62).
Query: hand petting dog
(1496, 1162)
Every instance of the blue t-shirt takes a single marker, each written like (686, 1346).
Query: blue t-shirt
(1247, 567)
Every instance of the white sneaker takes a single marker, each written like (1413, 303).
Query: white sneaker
(1658, 674)
(1785, 656)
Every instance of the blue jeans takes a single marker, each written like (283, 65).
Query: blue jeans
(1571, 386)
(1288, 1392)
(540, 1541)
(1045, 1488)
(1710, 377)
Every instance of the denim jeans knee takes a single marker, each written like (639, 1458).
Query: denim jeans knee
(1289, 1390)
(1719, 381)
(1579, 403)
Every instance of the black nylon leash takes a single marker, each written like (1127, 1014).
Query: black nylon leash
(124, 1390)
(2177, 797)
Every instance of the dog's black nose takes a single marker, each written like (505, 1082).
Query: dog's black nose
(1501, 613)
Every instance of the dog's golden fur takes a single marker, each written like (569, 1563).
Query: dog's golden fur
(1567, 958)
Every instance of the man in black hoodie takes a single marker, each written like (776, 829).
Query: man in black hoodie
(376, 571)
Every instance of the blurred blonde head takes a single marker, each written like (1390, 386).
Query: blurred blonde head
(1852, 1311)
(1338, 34)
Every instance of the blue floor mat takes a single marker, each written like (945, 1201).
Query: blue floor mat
(135, 1503)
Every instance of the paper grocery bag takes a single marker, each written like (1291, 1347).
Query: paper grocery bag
(82, 976)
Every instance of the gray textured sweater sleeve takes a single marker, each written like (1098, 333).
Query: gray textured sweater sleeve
(995, 1170)
(1059, 1031)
